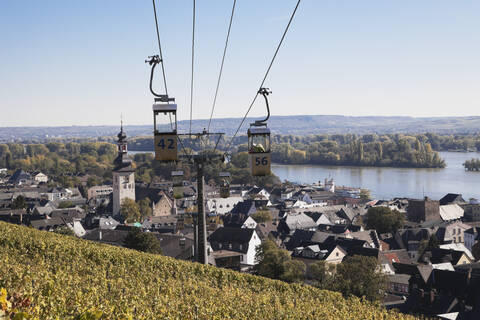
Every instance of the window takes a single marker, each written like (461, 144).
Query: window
(241, 247)
(241, 258)
(454, 239)
(230, 246)
(337, 254)
(220, 246)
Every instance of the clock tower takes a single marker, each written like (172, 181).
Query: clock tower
(123, 174)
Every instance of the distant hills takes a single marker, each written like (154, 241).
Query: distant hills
(294, 125)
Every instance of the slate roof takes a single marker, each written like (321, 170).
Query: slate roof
(245, 207)
(422, 272)
(114, 237)
(170, 244)
(266, 228)
(48, 223)
(234, 220)
(347, 213)
(68, 213)
(20, 174)
(438, 255)
(451, 198)
(227, 235)
(105, 223)
(299, 221)
(143, 192)
(43, 210)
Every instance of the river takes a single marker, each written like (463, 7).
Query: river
(387, 183)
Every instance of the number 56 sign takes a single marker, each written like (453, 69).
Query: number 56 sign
(260, 163)
(166, 147)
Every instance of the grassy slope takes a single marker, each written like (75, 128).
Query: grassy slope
(64, 277)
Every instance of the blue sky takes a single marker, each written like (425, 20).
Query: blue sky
(82, 62)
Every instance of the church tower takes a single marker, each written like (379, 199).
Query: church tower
(123, 174)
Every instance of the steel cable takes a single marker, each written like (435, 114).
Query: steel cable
(265, 77)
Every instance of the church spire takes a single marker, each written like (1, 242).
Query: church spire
(122, 161)
(122, 137)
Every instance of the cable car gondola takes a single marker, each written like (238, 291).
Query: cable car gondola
(259, 142)
(165, 140)
(225, 184)
(177, 177)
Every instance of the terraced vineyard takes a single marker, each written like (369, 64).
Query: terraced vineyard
(50, 276)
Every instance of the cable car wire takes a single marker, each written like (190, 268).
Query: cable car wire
(221, 66)
(161, 57)
(160, 47)
(265, 77)
(193, 64)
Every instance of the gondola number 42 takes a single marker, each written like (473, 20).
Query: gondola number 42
(169, 145)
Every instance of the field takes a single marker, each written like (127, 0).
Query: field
(50, 276)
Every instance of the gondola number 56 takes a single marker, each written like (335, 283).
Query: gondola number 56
(261, 161)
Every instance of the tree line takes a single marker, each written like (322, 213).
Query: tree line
(472, 165)
(390, 150)
(67, 163)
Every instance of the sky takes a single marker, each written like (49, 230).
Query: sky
(68, 63)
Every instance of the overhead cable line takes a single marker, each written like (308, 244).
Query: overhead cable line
(161, 58)
(160, 48)
(265, 77)
(221, 66)
(193, 64)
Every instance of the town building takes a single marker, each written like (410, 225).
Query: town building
(424, 210)
(123, 175)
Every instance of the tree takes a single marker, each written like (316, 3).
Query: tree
(130, 211)
(293, 271)
(321, 273)
(365, 194)
(145, 206)
(19, 203)
(360, 276)
(427, 245)
(65, 231)
(276, 263)
(143, 241)
(384, 220)
(262, 216)
(65, 204)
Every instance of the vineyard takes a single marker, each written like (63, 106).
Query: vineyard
(51, 276)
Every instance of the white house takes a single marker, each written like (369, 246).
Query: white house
(39, 177)
(221, 206)
(250, 223)
(242, 240)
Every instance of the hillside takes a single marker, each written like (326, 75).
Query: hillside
(59, 276)
(295, 125)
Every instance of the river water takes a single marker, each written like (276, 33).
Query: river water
(387, 183)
